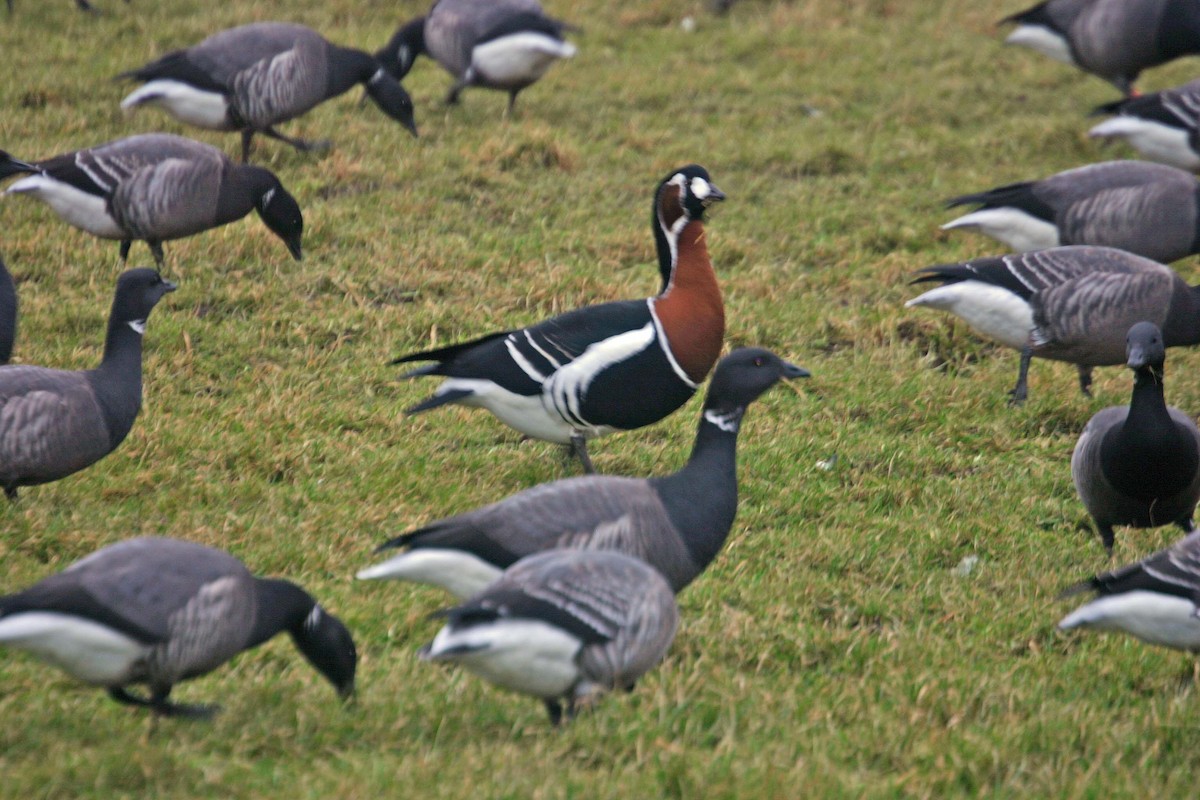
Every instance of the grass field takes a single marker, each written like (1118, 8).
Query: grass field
(832, 649)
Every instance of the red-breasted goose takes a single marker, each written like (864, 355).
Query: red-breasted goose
(1157, 599)
(1161, 126)
(1139, 464)
(563, 626)
(54, 422)
(159, 611)
(1149, 209)
(253, 77)
(1111, 39)
(677, 524)
(568, 379)
(1073, 304)
(496, 44)
(156, 187)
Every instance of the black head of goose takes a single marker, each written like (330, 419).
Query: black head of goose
(159, 611)
(156, 187)
(1163, 127)
(54, 422)
(567, 379)
(1156, 600)
(1073, 304)
(1139, 464)
(1112, 39)
(8, 313)
(253, 77)
(677, 524)
(1152, 210)
(496, 44)
(563, 626)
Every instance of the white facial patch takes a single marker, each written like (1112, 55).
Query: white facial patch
(138, 325)
(700, 188)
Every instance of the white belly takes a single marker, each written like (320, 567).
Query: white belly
(1020, 231)
(990, 310)
(459, 573)
(85, 211)
(525, 414)
(522, 655)
(1165, 144)
(518, 60)
(1043, 40)
(184, 102)
(1155, 618)
(86, 650)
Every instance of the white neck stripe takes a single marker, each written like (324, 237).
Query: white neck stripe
(666, 347)
(138, 325)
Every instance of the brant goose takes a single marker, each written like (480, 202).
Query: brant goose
(1139, 464)
(55, 422)
(568, 378)
(564, 625)
(160, 611)
(1148, 209)
(496, 44)
(1154, 599)
(1112, 39)
(1161, 126)
(253, 77)
(677, 524)
(1071, 304)
(156, 187)
(8, 313)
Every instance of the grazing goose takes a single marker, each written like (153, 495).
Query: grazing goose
(496, 44)
(564, 626)
(156, 187)
(568, 378)
(55, 422)
(1071, 304)
(1139, 464)
(1157, 599)
(1161, 126)
(1112, 39)
(253, 77)
(1149, 209)
(677, 524)
(8, 313)
(160, 611)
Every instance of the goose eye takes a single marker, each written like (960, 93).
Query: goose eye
(759, 361)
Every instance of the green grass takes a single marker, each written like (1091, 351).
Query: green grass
(831, 650)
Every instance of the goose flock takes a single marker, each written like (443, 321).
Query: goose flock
(567, 589)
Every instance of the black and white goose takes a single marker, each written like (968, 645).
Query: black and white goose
(8, 313)
(1157, 599)
(159, 611)
(155, 187)
(568, 379)
(1164, 126)
(1139, 464)
(54, 422)
(496, 44)
(1149, 209)
(563, 626)
(253, 77)
(1111, 39)
(677, 524)
(1073, 304)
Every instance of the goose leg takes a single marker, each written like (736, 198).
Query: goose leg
(125, 245)
(84, 5)
(512, 101)
(157, 251)
(455, 91)
(1085, 380)
(554, 709)
(159, 705)
(300, 144)
(1187, 524)
(11, 493)
(578, 447)
(247, 135)
(1021, 390)
(1108, 537)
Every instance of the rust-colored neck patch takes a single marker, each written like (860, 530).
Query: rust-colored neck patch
(690, 311)
(669, 207)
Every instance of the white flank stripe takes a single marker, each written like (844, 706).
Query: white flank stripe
(97, 178)
(567, 387)
(459, 573)
(1152, 617)
(1020, 231)
(86, 650)
(666, 347)
(553, 361)
(521, 361)
(991, 310)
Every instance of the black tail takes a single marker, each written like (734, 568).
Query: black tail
(441, 399)
(1013, 195)
(443, 354)
(1090, 585)
(1115, 107)
(14, 166)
